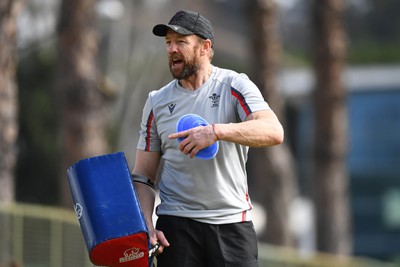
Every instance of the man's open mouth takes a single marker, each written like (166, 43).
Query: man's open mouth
(176, 62)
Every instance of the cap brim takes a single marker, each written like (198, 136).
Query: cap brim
(161, 30)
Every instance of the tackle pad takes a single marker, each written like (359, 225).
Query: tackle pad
(109, 212)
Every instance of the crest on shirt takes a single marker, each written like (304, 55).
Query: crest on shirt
(214, 100)
(171, 107)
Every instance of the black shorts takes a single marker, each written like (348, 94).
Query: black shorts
(196, 244)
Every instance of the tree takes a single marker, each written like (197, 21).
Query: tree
(273, 166)
(330, 148)
(9, 11)
(82, 104)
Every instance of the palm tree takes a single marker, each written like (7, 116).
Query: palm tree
(9, 11)
(274, 167)
(330, 148)
(82, 106)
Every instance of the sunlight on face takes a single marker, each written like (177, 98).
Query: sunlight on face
(183, 54)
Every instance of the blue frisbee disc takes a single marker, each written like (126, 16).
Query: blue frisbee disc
(189, 121)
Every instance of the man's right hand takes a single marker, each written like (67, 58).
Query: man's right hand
(158, 237)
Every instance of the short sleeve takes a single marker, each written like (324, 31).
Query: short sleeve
(148, 136)
(247, 96)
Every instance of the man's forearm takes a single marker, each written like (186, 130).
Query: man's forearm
(252, 133)
(146, 196)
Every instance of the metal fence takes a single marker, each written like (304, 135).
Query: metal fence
(37, 236)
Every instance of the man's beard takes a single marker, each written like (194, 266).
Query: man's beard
(190, 68)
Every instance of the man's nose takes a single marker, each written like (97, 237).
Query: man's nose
(172, 47)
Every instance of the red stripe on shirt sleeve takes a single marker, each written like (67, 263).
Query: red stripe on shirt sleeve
(148, 130)
(241, 100)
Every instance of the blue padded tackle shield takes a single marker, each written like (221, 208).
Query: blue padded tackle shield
(109, 212)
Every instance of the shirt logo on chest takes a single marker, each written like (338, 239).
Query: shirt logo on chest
(171, 107)
(214, 100)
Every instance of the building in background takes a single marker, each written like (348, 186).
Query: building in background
(374, 150)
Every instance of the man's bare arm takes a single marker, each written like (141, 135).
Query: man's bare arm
(260, 129)
(146, 165)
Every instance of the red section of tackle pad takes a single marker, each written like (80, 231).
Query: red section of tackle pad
(125, 251)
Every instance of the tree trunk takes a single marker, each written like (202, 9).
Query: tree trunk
(81, 102)
(274, 167)
(9, 10)
(330, 148)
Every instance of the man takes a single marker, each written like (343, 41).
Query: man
(203, 215)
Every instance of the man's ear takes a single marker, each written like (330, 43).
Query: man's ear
(206, 47)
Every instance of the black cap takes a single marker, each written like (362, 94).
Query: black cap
(187, 22)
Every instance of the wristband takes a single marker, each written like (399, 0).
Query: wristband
(138, 178)
(216, 135)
